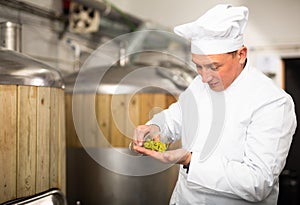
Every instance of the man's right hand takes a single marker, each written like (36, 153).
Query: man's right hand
(142, 130)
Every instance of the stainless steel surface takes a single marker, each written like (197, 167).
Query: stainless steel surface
(113, 13)
(129, 79)
(19, 69)
(113, 21)
(179, 78)
(52, 197)
(10, 36)
(31, 8)
(90, 183)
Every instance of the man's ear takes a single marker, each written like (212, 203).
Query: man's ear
(242, 54)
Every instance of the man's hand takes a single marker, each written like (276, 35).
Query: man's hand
(178, 156)
(140, 132)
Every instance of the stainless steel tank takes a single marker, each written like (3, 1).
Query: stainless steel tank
(90, 183)
(19, 69)
(32, 144)
(123, 98)
(97, 166)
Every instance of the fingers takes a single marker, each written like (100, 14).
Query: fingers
(151, 153)
(139, 133)
(179, 156)
(156, 138)
(142, 130)
(155, 132)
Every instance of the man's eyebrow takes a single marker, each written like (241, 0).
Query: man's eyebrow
(216, 64)
(196, 63)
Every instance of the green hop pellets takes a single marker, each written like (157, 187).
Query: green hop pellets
(156, 146)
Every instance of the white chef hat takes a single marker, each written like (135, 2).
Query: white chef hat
(219, 30)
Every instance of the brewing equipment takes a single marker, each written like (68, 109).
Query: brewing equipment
(32, 118)
(10, 35)
(99, 161)
(134, 100)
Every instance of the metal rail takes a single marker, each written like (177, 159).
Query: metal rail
(32, 9)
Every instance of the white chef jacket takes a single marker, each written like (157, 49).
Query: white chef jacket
(255, 121)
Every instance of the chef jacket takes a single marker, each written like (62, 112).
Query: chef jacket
(248, 130)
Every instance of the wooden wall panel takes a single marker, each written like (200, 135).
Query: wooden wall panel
(8, 142)
(117, 115)
(62, 142)
(132, 117)
(26, 163)
(43, 139)
(32, 141)
(146, 102)
(103, 113)
(71, 136)
(170, 99)
(90, 129)
(150, 104)
(117, 121)
(54, 141)
(159, 104)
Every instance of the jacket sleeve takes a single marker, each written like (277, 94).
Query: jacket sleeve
(169, 121)
(268, 140)
(251, 176)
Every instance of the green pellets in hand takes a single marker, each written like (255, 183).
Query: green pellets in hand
(154, 145)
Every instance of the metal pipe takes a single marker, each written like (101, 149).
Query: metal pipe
(10, 36)
(32, 9)
(125, 21)
(114, 13)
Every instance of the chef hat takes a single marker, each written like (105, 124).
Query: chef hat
(219, 30)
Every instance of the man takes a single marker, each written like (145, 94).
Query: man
(235, 125)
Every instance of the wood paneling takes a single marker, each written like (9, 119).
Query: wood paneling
(8, 142)
(117, 120)
(32, 140)
(27, 127)
(62, 143)
(103, 117)
(54, 133)
(70, 129)
(117, 115)
(43, 139)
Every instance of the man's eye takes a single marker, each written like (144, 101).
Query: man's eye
(198, 66)
(214, 68)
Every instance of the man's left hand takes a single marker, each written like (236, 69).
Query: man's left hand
(178, 156)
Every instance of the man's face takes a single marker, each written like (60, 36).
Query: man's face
(220, 70)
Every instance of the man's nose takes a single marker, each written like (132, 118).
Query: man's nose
(206, 75)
